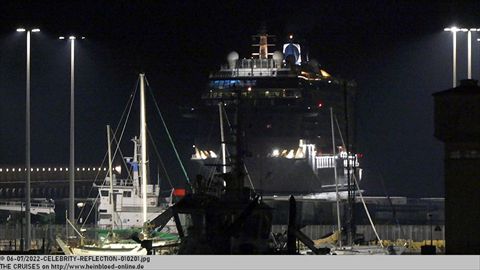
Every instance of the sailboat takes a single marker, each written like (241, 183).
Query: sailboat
(350, 249)
(122, 201)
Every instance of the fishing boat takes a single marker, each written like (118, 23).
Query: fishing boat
(124, 205)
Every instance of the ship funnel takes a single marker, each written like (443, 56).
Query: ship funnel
(232, 58)
(278, 58)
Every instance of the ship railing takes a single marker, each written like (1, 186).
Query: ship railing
(328, 161)
(323, 162)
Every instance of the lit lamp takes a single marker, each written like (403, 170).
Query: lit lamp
(28, 235)
(454, 31)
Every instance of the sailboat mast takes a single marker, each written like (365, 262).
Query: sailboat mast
(222, 138)
(110, 175)
(339, 225)
(351, 192)
(143, 143)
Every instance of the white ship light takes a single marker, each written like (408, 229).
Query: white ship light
(35, 30)
(80, 204)
(324, 73)
(299, 153)
(21, 30)
(249, 89)
(290, 154)
(275, 153)
(118, 169)
(212, 154)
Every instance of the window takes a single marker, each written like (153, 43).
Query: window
(105, 216)
(127, 194)
(104, 193)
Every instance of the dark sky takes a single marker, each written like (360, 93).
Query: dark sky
(395, 50)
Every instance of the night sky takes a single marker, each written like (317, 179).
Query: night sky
(396, 51)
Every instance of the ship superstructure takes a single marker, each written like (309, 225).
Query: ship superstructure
(287, 100)
(124, 207)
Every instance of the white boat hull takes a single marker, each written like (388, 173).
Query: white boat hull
(106, 249)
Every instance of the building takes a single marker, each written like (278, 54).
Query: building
(457, 124)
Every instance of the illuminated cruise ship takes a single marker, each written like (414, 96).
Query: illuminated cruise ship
(286, 99)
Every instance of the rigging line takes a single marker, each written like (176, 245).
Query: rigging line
(168, 133)
(121, 155)
(91, 209)
(128, 107)
(339, 131)
(394, 212)
(249, 178)
(366, 210)
(212, 170)
(159, 157)
(123, 129)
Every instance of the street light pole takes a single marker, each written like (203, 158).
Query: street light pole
(71, 208)
(28, 234)
(469, 54)
(71, 169)
(28, 231)
(454, 31)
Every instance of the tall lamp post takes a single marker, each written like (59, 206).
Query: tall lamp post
(454, 31)
(71, 169)
(470, 50)
(28, 233)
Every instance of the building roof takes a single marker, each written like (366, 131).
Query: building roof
(466, 87)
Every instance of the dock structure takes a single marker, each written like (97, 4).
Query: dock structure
(35, 207)
(48, 181)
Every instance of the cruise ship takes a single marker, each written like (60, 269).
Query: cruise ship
(287, 100)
